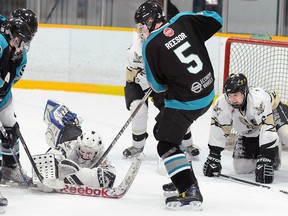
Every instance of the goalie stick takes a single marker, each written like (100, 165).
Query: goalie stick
(114, 193)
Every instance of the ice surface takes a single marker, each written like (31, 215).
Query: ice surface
(107, 114)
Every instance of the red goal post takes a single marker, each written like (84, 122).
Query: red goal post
(264, 62)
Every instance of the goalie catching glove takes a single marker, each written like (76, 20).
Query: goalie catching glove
(212, 166)
(63, 124)
(264, 172)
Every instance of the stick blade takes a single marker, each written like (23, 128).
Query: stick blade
(54, 183)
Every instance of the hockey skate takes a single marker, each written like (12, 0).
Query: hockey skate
(15, 175)
(169, 190)
(132, 152)
(191, 198)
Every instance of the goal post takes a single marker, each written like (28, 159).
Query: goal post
(264, 62)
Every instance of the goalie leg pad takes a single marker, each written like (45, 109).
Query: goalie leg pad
(106, 178)
(96, 178)
(67, 167)
(46, 165)
(244, 166)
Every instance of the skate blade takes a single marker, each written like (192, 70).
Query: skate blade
(170, 193)
(193, 205)
(14, 184)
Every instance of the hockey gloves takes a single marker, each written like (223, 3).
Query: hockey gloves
(264, 170)
(11, 138)
(141, 79)
(212, 166)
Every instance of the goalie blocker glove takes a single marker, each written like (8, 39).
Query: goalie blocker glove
(264, 172)
(212, 166)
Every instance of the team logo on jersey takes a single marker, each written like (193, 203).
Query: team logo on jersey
(249, 125)
(137, 58)
(260, 109)
(217, 109)
(169, 32)
(196, 87)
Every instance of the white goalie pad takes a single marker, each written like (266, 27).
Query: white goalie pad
(46, 165)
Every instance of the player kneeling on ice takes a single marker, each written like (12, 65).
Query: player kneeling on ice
(75, 152)
(249, 111)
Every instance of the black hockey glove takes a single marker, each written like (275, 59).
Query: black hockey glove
(11, 138)
(212, 166)
(264, 172)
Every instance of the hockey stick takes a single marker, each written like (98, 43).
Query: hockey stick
(52, 183)
(143, 100)
(4, 133)
(248, 182)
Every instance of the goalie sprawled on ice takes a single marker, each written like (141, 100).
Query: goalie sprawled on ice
(73, 154)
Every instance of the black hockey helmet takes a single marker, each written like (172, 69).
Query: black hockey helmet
(149, 13)
(15, 27)
(28, 17)
(236, 83)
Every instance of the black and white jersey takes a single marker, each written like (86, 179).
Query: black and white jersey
(253, 121)
(176, 59)
(134, 54)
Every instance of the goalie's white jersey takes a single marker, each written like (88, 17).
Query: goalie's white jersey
(255, 120)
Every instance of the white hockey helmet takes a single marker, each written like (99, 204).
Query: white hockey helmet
(90, 145)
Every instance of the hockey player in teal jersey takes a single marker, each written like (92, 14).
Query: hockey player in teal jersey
(177, 61)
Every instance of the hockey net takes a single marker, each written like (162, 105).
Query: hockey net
(264, 62)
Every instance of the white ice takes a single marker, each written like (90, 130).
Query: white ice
(107, 114)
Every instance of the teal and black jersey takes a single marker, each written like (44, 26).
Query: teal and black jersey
(2, 19)
(11, 70)
(177, 61)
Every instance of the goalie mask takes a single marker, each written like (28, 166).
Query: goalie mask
(90, 145)
(234, 84)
